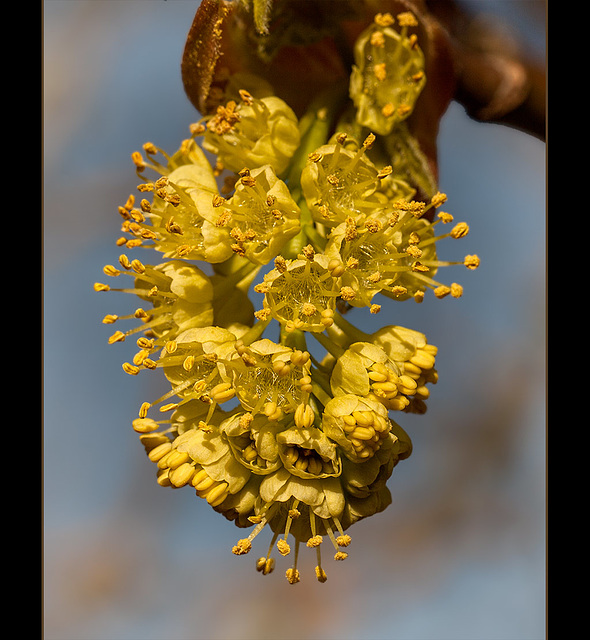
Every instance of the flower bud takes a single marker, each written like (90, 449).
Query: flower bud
(253, 442)
(411, 352)
(359, 425)
(308, 453)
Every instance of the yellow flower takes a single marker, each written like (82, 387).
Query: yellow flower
(198, 457)
(261, 215)
(180, 219)
(307, 453)
(308, 509)
(365, 484)
(252, 132)
(302, 293)
(194, 364)
(410, 350)
(318, 494)
(388, 75)
(176, 296)
(338, 182)
(366, 370)
(253, 440)
(269, 378)
(393, 252)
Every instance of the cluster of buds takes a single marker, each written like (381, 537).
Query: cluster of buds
(271, 431)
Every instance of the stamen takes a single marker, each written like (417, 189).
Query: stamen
(292, 574)
(244, 545)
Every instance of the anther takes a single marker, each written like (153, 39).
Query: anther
(320, 574)
(368, 141)
(292, 575)
(246, 96)
(138, 266)
(265, 565)
(222, 392)
(456, 290)
(143, 410)
(124, 261)
(407, 19)
(308, 251)
(347, 293)
(380, 71)
(283, 547)
(168, 407)
(442, 291)
(138, 160)
(308, 309)
(160, 451)
(384, 19)
(242, 547)
(445, 217)
(438, 199)
(144, 425)
(181, 475)
(171, 346)
(314, 541)
(109, 270)
(460, 230)
(388, 110)
(145, 343)
(216, 495)
(343, 540)
(336, 267)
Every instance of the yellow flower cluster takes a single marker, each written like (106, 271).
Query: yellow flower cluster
(305, 213)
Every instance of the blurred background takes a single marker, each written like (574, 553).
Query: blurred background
(458, 555)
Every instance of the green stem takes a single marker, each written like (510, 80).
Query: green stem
(315, 126)
(322, 395)
(232, 265)
(356, 334)
(256, 331)
(318, 405)
(241, 278)
(309, 229)
(331, 347)
(294, 339)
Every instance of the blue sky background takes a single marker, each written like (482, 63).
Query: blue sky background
(460, 553)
